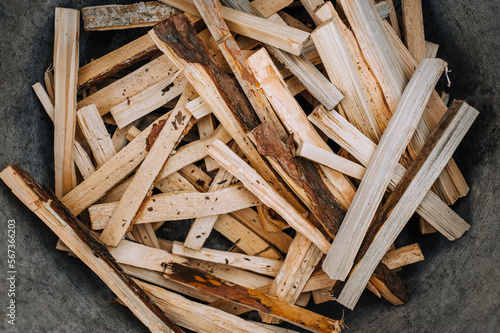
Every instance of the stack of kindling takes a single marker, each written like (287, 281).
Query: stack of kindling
(221, 121)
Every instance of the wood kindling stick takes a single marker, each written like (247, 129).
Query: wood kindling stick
(267, 8)
(409, 193)
(346, 244)
(432, 208)
(66, 46)
(253, 299)
(206, 126)
(83, 161)
(86, 246)
(413, 20)
(164, 138)
(258, 186)
(393, 18)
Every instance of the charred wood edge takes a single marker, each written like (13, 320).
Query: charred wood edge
(251, 298)
(97, 247)
(181, 37)
(305, 174)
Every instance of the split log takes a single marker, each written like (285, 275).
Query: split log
(409, 193)
(86, 246)
(413, 20)
(403, 123)
(66, 39)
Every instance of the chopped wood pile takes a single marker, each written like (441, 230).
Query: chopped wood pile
(222, 123)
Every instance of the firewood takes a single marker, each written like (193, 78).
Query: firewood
(45, 99)
(199, 108)
(268, 8)
(431, 49)
(66, 37)
(48, 78)
(393, 17)
(413, 20)
(82, 161)
(403, 123)
(86, 246)
(293, 22)
(409, 193)
(432, 209)
(145, 234)
(110, 17)
(205, 127)
(310, 6)
(119, 137)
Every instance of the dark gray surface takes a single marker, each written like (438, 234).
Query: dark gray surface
(454, 290)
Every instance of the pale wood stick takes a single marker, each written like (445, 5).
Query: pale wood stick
(115, 194)
(114, 17)
(45, 99)
(293, 22)
(346, 244)
(310, 6)
(383, 9)
(205, 127)
(86, 246)
(283, 37)
(256, 184)
(431, 49)
(174, 206)
(66, 38)
(82, 161)
(265, 266)
(198, 108)
(96, 134)
(393, 16)
(432, 208)
(268, 8)
(175, 182)
(119, 137)
(145, 234)
(163, 143)
(413, 21)
(197, 177)
(196, 316)
(97, 70)
(48, 78)
(403, 256)
(410, 192)
(149, 99)
(129, 85)
(331, 160)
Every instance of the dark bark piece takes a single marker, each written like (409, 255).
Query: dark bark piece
(181, 37)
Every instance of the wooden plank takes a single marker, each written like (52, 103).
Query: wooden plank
(431, 49)
(114, 17)
(96, 134)
(125, 56)
(404, 200)
(66, 38)
(206, 126)
(432, 208)
(145, 234)
(403, 256)
(331, 160)
(198, 108)
(340, 258)
(82, 161)
(119, 137)
(45, 99)
(175, 206)
(413, 22)
(48, 78)
(257, 185)
(268, 8)
(283, 37)
(86, 246)
(265, 266)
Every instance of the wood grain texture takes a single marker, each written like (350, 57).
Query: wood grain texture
(413, 21)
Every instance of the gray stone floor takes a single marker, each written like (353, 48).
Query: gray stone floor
(455, 290)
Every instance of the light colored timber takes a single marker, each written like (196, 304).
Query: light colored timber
(344, 74)
(82, 161)
(97, 70)
(197, 177)
(96, 134)
(310, 6)
(393, 17)
(267, 8)
(431, 49)
(129, 85)
(45, 99)
(403, 256)
(115, 194)
(293, 22)
(283, 37)
(145, 234)
(148, 100)
(144, 178)
(86, 246)
(132, 133)
(119, 137)
(383, 9)
(432, 208)
(210, 10)
(413, 22)
(66, 46)
(175, 182)
(206, 126)
(175, 206)
(48, 78)
(198, 108)
(256, 184)
(413, 188)
(396, 137)
(265, 266)
(331, 160)
(114, 17)
(196, 316)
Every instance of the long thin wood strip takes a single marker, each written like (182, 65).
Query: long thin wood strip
(145, 234)
(431, 49)
(257, 185)
(82, 161)
(310, 6)
(111, 17)
(432, 208)
(286, 38)
(198, 317)
(331, 160)
(413, 20)
(125, 56)
(206, 126)
(252, 298)
(66, 46)
(45, 99)
(340, 258)
(393, 16)
(268, 8)
(48, 78)
(86, 246)
(265, 266)
(119, 137)
(411, 190)
(175, 206)
(163, 139)
(96, 134)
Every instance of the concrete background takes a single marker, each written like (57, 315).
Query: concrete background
(455, 290)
